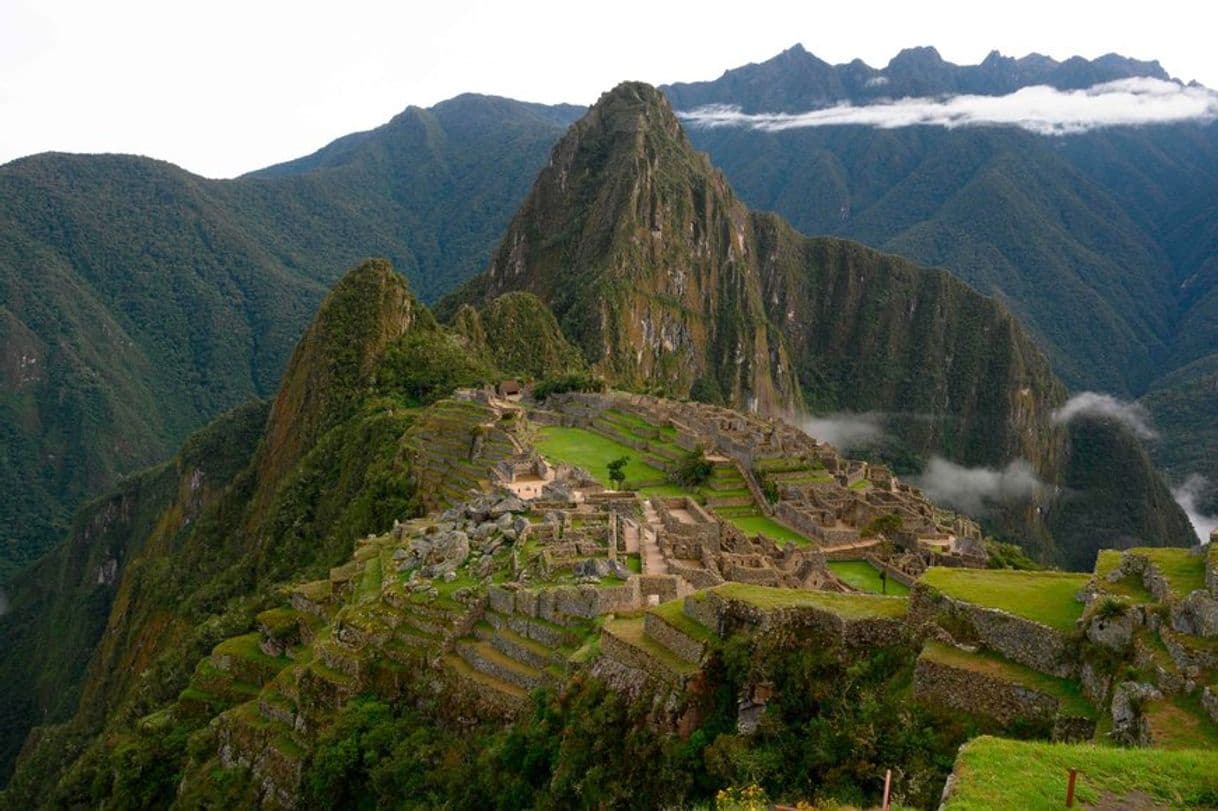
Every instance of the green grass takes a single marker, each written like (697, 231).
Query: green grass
(1180, 722)
(999, 773)
(1184, 571)
(863, 576)
(673, 612)
(1129, 587)
(593, 452)
(1044, 597)
(246, 647)
(634, 563)
(760, 524)
(1065, 691)
(849, 606)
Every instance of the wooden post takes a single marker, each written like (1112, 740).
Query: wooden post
(1070, 788)
(887, 789)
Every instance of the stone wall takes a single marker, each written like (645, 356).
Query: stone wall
(660, 585)
(633, 657)
(1021, 640)
(970, 691)
(685, 647)
(797, 625)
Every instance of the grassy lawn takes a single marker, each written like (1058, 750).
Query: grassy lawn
(850, 606)
(1066, 691)
(999, 773)
(862, 575)
(593, 452)
(634, 563)
(1184, 571)
(754, 524)
(1044, 597)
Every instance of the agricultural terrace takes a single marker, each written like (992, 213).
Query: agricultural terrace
(863, 576)
(1045, 597)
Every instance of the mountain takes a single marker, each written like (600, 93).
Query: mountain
(626, 220)
(138, 301)
(668, 283)
(153, 571)
(797, 81)
(1101, 242)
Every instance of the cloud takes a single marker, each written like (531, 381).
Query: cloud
(976, 490)
(1187, 495)
(1094, 404)
(1040, 109)
(845, 431)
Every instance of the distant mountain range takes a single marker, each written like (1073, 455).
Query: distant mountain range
(795, 80)
(1104, 242)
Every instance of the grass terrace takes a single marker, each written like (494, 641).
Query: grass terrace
(863, 576)
(1183, 570)
(673, 612)
(593, 452)
(848, 606)
(1000, 773)
(763, 525)
(1044, 597)
(1130, 587)
(1067, 692)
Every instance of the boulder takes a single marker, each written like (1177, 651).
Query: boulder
(1196, 614)
(1114, 633)
(509, 504)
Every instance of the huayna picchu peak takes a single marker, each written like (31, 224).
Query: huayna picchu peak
(527, 459)
(668, 283)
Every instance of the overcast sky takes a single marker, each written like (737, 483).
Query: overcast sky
(223, 87)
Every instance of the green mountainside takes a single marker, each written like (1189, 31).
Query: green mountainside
(138, 301)
(1102, 242)
(669, 284)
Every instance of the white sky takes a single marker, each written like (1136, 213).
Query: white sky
(223, 87)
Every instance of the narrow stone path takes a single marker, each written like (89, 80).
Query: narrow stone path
(653, 559)
(630, 534)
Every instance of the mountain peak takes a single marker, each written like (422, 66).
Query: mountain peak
(921, 55)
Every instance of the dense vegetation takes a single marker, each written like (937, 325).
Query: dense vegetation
(138, 301)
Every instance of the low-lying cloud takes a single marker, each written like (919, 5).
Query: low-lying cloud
(846, 431)
(977, 490)
(1187, 496)
(1040, 109)
(1094, 404)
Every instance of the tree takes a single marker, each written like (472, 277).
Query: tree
(617, 471)
(693, 470)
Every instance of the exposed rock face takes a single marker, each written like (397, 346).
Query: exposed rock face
(438, 554)
(1196, 614)
(647, 258)
(1129, 726)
